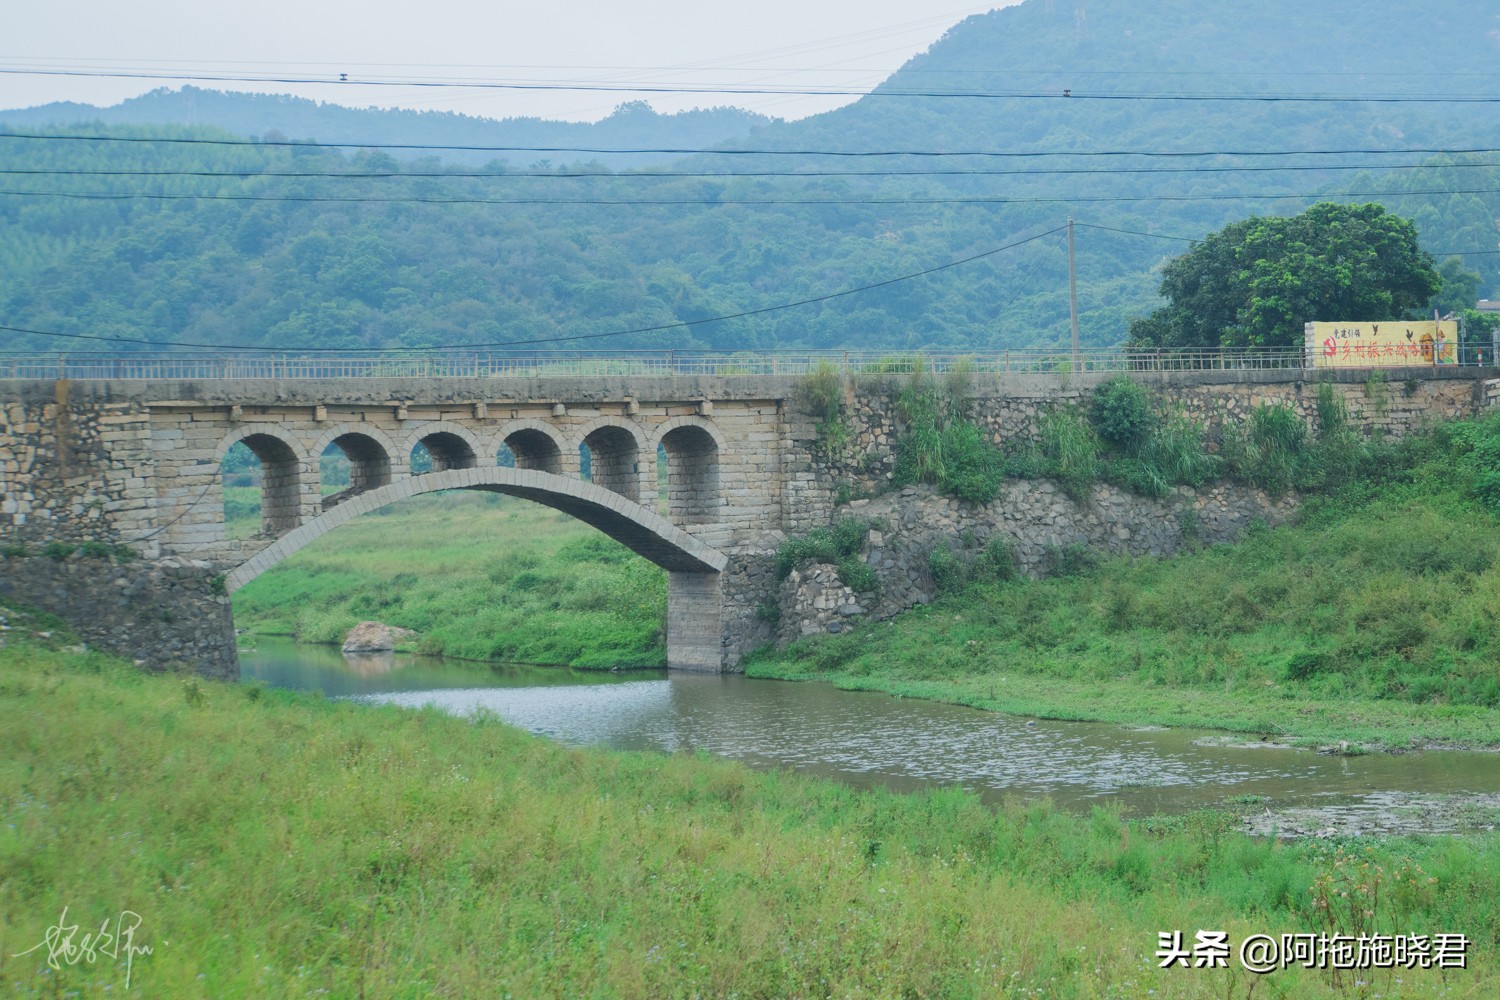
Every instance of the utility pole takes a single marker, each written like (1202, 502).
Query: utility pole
(1073, 295)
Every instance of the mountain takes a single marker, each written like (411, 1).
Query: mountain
(631, 126)
(1151, 123)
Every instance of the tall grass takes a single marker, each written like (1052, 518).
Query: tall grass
(279, 845)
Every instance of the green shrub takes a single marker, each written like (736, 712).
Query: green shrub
(1269, 454)
(833, 544)
(948, 571)
(857, 575)
(939, 446)
(998, 559)
(821, 394)
(973, 469)
(1068, 560)
(1304, 665)
(769, 612)
(1121, 413)
(1333, 415)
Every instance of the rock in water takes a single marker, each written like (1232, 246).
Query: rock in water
(374, 637)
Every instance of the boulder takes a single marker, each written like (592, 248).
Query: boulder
(374, 637)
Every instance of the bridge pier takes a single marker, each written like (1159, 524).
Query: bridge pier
(695, 612)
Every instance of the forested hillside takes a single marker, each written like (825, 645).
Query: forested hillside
(214, 238)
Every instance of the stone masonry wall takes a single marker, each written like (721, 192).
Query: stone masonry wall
(1036, 519)
(71, 470)
(1009, 408)
(162, 614)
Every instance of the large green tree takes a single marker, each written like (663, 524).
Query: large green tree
(1254, 283)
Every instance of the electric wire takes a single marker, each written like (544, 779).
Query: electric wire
(710, 151)
(566, 174)
(341, 79)
(723, 201)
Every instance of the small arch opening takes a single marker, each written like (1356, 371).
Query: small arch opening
(262, 481)
(440, 452)
(610, 457)
(692, 475)
(351, 464)
(531, 449)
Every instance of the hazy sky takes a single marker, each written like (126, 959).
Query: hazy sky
(764, 43)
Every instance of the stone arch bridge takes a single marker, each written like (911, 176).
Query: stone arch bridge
(692, 475)
(703, 475)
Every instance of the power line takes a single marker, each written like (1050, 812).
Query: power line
(1070, 94)
(1136, 232)
(627, 174)
(683, 324)
(710, 202)
(707, 151)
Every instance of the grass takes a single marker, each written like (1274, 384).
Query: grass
(1373, 620)
(476, 576)
(278, 844)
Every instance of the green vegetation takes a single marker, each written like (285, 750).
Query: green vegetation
(1126, 437)
(940, 445)
(821, 393)
(1256, 282)
(839, 544)
(476, 576)
(1372, 620)
(67, 550)
(276, 844)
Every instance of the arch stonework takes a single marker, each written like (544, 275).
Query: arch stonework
(366, 471)
(693, 447)
(567, 458)
(441, 461)
(267, 428)
(668, 426)
(288, 492)
(694, 587)
(631, 475)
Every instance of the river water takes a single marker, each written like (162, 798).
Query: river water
(874, 739)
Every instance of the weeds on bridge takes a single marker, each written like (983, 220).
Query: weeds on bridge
(1128, 438)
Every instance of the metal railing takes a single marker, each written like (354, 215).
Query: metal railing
(456, 364)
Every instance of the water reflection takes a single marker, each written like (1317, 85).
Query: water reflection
(867, 739)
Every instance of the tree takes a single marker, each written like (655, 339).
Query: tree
(1255, 283)
(1460, 287)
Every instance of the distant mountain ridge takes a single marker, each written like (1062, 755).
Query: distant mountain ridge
(631, 126)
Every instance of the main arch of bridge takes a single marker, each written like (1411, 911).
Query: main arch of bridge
(694, 591)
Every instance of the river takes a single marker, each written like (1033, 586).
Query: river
(873, 739)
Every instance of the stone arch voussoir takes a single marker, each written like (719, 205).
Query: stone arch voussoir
(610, 469)
(286, 496)
(366, 472)
(380, 437)
(295, 442)
(551, 431)
(702, 423)
(428, 428)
